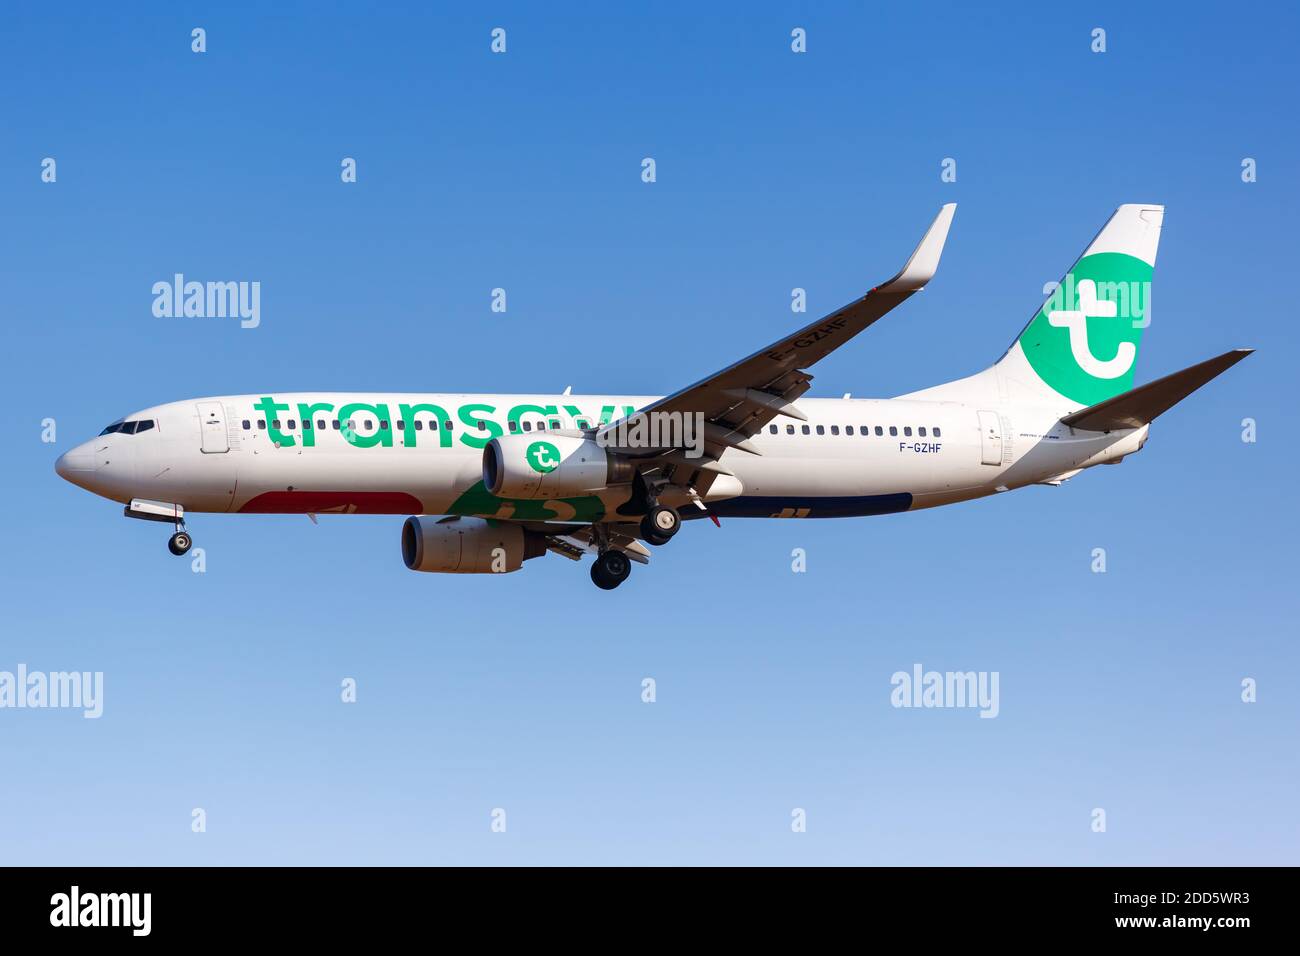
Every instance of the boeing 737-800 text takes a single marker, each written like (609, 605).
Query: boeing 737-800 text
(494, 480)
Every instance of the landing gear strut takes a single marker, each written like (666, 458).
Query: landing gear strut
(610, 569)
(180, 542)
(660, 524)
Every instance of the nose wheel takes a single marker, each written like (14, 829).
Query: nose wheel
(610, 569)
(179, 543)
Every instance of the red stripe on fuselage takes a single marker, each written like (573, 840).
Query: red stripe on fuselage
(350, 502)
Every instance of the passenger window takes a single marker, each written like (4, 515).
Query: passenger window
(848, 429)
(292, 424)
(482, 425)
(555, 424)
(446, 426)
(419, 426)
(893, 430)
(879, 430)
(907, 430)
(772, 429)
(835, 429)
(352, 425)
(921, 431)
(528, 426)
(789, 429)
(320, 424)
(261, 423)
(805, 429)
(582, 423)
(514, 426)
(306, 424)
(383, 426)
(821, 429)
(370, 426)
(335, 424)
(936, 432)
(275, 423)
(247, 424)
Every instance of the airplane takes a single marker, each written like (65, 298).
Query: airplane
(492, 481)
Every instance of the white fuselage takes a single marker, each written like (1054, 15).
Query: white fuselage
(225, 454)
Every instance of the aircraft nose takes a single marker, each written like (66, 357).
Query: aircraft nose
(75, 464)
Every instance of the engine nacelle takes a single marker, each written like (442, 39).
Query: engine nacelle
(550, 465)
(456, 545)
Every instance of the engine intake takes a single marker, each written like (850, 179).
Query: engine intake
(550, 465)
(456, 545)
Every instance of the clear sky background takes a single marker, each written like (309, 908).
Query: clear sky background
(775, 170)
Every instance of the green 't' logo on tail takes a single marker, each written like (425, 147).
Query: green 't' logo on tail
(543, 457)
(1084, 340)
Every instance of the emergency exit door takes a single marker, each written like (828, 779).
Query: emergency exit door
(212, 428)
(990, 438)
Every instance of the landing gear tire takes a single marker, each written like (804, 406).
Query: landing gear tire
(659, 526)
(179, 543)
(610, 569)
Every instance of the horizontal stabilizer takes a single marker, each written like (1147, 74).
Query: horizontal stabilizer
(1141, 405)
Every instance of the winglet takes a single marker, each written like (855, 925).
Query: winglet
(924, 262)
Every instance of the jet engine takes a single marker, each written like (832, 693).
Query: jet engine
(550, 465)
(457, 545)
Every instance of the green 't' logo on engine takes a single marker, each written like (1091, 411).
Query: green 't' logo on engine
(543, 457)
(1084, 341)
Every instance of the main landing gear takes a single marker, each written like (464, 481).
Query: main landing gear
(660, 524)
(610, 569)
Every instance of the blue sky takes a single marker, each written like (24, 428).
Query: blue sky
(775, 170)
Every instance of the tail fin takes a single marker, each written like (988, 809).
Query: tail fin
(1083, 343)
(1141, 405)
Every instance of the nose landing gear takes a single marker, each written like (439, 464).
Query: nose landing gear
(179, 543)
(172, 514)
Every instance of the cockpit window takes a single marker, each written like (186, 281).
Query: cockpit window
(129, 428)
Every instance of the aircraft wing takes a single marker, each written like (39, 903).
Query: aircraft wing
(579, 542)
(739, 400)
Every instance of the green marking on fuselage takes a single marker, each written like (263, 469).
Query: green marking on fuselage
(479, 437)
(478, 502)
(382, 436)
(307, 412)
(470, 415)
(410, 436)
